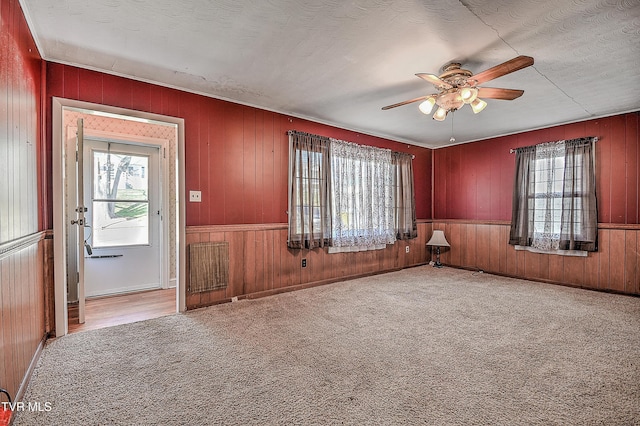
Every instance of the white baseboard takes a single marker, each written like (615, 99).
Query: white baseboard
(122, 290)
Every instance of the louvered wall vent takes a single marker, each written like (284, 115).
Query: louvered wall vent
(208, 266)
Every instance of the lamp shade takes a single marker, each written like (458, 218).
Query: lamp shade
(478, 105)
(468, 94)
(440, 114)
(426, 106)
(438, 239)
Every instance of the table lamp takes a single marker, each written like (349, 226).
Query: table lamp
(438, 240)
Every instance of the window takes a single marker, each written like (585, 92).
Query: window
(347, 195)
(308, 182)
(554, 202)
(309, 210)
(404, 196)
(120, 199)
(361, 196)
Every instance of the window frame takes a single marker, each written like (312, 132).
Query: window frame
(106, 200)
(573, 225)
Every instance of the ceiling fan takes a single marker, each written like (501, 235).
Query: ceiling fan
(457, 87)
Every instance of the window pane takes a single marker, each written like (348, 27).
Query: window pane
(120, 223)
(559, 163)
(120, 177)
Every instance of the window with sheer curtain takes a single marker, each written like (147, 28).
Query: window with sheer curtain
(361, 197)
(554, 206)
(347, 196)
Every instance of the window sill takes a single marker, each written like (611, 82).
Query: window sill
(577, 253)
(350, 249)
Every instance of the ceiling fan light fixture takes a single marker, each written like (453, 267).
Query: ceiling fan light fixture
(478, 105)
(440, 114)
(426, 106)
(468, 94)
(457, 87)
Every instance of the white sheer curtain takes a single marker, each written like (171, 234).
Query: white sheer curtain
(548, 183)
(362, 197)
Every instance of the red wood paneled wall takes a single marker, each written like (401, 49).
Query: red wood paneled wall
(20, 85)
(475, 181)
(472, 204)
(22, 316)
(236, 155)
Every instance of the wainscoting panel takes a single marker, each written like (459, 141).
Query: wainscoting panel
(49, 285)
(484, 246)
(260, 263)
(22, 312)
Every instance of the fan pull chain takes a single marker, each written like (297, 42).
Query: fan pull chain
(452, 139)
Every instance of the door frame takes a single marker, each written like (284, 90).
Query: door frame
(163, 187)
(59, 209)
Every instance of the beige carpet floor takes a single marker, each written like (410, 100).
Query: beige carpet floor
(419, 346)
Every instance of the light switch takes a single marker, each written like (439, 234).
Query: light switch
(195, 196)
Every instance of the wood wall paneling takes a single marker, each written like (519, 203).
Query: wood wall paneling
(483, 239)
(614, 267)
(632, 158)
(474, 181)
(212, 168)
(631, 271)
(616, 259)
(22, 314)
(22, 325)
(260, 262)
(249, 165)
(556, 269)
(253, 262)
(20, 83)
(604, 267)
(49, 286)
(603, 172)
(618, 169)
(236, 155)
(573, 270)
(592, 270)
(483, 183)
(258, 166)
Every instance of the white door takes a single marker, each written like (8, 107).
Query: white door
(122, 193)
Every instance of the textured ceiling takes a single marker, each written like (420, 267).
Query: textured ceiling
(339, 62)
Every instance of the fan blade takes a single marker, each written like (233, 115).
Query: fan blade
(410, 101)
(505, 68)
(435, 80)
(495, 93)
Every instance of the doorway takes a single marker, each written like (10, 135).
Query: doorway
(133, 226)
(108, 311)
(123, 234)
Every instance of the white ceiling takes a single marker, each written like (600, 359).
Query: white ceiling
(340, 61)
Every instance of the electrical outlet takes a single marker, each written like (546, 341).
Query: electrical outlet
(406, 249)
(304, 263)
(195, 196)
